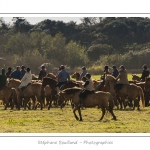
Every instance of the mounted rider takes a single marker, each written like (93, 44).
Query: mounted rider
(100, 87)
(83, 73)
(23, 71)
(42, 73)
(26, 80)
(123, 79)
(115, 72)
(89, 88)
(16, 74)
(63, 77)
(8, 73)
(145, 73)
(106, 71)
(3, 79)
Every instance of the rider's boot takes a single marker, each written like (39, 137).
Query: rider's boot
(58, 90)
(81, 103)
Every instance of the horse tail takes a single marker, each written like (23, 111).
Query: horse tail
(141, 95)
(111, 102)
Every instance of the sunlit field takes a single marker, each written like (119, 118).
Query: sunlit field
(63, 121)
(56, 120)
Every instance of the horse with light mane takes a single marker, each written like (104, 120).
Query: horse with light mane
(102, 99)
(33, 90)
(135, 77)
(131, 91)
(76, 76)
(51, 75)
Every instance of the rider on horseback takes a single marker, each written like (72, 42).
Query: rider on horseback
(8, 73)
(42, 73)
(115, 72)
(26, 80)
(145, 73)
(100, 87)
(83, 73)
(3, 79)
(106, 71)
(63, 77)
(123, 79)
(89, 88)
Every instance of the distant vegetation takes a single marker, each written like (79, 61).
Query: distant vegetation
(94, 43)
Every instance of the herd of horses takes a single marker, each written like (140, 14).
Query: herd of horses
(43, 94)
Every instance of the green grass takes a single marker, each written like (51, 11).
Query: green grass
(63, 121)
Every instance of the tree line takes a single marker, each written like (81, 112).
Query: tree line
(87, 43)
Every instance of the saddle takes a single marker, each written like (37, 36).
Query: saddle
(118, 87)
(24, 88)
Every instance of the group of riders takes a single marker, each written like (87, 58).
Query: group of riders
(24, 75)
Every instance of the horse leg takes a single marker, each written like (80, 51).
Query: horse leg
(72, 105)
(29, 104)
(74, 112)
(103, 113)
(12, 104)
(50, 102)
(116, 102)
(6, 105)
(138, 103)
(120, 102)
(112, 113)
(79, 111)
(18, 102)
(25, 103)
(41, 101)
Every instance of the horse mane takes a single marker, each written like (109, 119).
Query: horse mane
(83, 79)
(48, 79)
(72, 90)
(14, 80)
(110, 77)
(78, 74)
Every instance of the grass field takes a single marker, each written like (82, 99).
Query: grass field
(63, 121)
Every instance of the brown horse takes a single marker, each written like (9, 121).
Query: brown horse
(135, 77)
(34, 77)
(31, 91)
(129, 90)
(52, 83)
(102, 99)
(7, 96)
(76, 76)
(51, 75)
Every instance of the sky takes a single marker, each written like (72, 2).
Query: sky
(34, 20)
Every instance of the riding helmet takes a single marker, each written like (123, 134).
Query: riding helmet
(9, 68)
(144, 66)
(83, 68)
(88, 75)
(62, 67)
(122, 67)
(3, 70)
(106, 67)
(114, 67)
(43, 67)
(22, 67)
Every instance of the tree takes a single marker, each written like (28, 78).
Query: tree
(20, 24)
